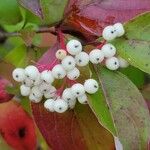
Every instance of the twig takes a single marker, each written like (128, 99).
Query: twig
(40, 30)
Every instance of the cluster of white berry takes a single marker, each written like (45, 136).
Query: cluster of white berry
(37, 84)
(110, 33)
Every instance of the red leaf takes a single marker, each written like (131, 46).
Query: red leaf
(17, 127)
(89, 17)
(4, 96)
(61, 131)
(70, 130)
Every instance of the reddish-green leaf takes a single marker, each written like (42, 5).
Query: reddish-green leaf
(89, 17)
(127, 106)
(53, 10)
(135, 45)
(33, 6)
(78, 129)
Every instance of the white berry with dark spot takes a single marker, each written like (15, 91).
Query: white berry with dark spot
(67, 95)
(112, 63)
(78, 90)
(68, 63)
(36, 92)
(91, 86)
(47, 76)
(18, 74)
(109, 33)
(25, 91)
(34, 99)
(82, 59)
(74, 47)
(108, 50)
(28, 82)
(73, 74)
(51, 93)
(37, 81)
(96, 56)
(58, 71)
(49, 105)
(83, 99)
(61, 54)
(31, 72)
(60, 106)
(44, 87)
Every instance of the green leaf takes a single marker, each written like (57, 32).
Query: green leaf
(127, 106)
(14, 28)
(13, 90)
(135, 75)
(9, 12)
(99, 106)
(135, 45)
(53, 10)
(10, 44)
(17, 56)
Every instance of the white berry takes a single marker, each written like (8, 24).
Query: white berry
(108, 50)
(96, 56)
(44, 87)
(82, 99)
(73, 74)
(28, 82)
(51, 93)
(34, 99)
(18, 74)
(112, 63)
(91, 86)
(77, 90)
(47, 76)
(25, 91)
(49, 105)
(58, 72)
(37, 81)
(31, 72)
(109, 33)
(60, 106)
(82, 59)
(74, 47)
(61, 54)
(122, 62)
(67, 95)
(71, 104)
(68, 63)
(36, 92)
(119, 29)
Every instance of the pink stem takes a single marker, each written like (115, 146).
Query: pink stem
(102, 43)
(50, 66)
(61, 39)
(71, 82)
